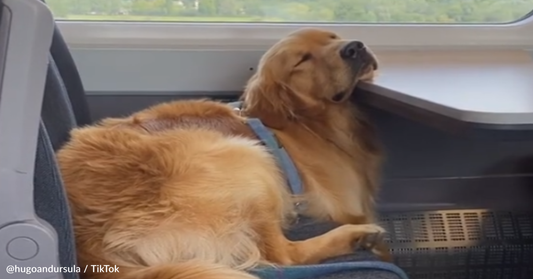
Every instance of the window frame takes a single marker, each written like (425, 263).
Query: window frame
(224, 35)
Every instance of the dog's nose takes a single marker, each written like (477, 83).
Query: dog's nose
(352, 50)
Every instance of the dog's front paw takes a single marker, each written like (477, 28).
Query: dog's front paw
(373, 236)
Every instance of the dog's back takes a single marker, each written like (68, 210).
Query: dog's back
(178, 193)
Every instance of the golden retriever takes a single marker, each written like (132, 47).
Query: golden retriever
(185, 190)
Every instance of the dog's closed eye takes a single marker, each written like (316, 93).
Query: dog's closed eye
(338, 97)
(305, 57)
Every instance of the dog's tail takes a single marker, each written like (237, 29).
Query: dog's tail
(187, 270)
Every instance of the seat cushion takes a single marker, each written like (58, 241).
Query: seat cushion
(361, 264)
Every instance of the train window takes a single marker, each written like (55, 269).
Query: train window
(349, 11)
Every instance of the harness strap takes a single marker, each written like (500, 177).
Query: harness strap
(283, 158)
(269, 140)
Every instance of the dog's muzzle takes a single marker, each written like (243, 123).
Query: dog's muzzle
(355, 53)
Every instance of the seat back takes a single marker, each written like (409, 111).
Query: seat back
(68, 71)
(57, 113)
(51, 204)
(27, 241)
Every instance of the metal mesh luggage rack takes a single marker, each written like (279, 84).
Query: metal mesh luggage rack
(462, 244)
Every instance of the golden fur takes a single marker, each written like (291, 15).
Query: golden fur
(184, 190)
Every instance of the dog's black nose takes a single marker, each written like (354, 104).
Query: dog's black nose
(352, 50)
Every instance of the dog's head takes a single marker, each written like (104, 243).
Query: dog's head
(306, 74)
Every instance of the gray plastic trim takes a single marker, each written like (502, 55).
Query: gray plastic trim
(490, 115)
(26, 241)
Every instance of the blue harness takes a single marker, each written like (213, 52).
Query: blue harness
(272, 144)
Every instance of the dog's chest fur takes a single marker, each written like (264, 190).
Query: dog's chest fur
(335, 185)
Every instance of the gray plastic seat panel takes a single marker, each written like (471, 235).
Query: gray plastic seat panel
(26, 240)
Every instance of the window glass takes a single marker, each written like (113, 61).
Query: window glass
(331, 11)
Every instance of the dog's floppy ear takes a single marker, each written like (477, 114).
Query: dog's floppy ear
(269, 101)
(277, 101)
